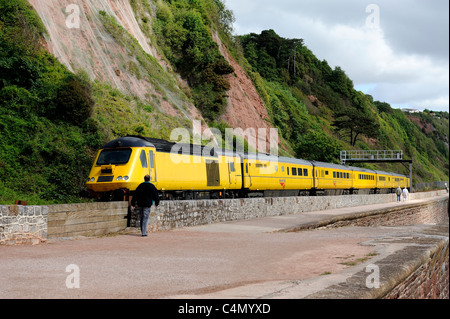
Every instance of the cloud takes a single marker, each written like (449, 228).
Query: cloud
(404, 61)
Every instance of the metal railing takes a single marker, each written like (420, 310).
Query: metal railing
(368, 155)
(430, 186)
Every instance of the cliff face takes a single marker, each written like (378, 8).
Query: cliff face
(86, 44)
(245, 107)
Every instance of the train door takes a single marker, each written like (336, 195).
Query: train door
(232, 173)
(212, 173)
(246, 180)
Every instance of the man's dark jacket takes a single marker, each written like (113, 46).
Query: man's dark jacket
(145, 194)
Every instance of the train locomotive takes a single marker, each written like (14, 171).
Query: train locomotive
(187, 171)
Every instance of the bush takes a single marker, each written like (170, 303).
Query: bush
(74, 102)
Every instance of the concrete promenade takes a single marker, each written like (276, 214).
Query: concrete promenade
(259, 258)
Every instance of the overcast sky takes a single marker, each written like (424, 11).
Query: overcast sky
(396, 50)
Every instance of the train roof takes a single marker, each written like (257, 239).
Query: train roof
(274, 158)
(330, 165)
(390, 174)
(167, 147)
(128, 141)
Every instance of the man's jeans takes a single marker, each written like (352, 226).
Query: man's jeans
(145, 213)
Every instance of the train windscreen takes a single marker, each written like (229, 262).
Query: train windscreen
(114, 157)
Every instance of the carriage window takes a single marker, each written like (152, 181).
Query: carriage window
(305, 172)
(326, 172)
(300, 172)
(287, 170)
(294, 171)
(340, 174)
(334, 174)
(232, 167)
(282, 168)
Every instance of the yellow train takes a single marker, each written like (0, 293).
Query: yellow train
(185, 171)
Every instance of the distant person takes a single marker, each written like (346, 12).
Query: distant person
(446, 187)
(145, 195)
(399, 192)
(405, 194)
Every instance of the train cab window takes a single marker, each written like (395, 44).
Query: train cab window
(305, 172)
(114, 157)
(143, 158)
(150, 156)
(294, 171)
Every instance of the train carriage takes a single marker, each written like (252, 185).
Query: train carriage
(385, 182)
(400, 180)
(266, 175)
(364, 180)
(332, 179)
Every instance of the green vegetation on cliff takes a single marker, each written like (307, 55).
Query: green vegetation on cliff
(47, 137)
(183, 32)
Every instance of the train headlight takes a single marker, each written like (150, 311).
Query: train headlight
(119, 178)
(125, 178)
(92, 179)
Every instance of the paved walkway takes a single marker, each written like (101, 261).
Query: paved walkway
(240, 259)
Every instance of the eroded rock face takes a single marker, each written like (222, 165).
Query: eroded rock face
(245, 109)
(77, 38)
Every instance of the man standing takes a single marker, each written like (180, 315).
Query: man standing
(398, 191)
(145, 195)
(405, 194)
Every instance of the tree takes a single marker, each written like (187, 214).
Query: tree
(318, 146)
(356, 122)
